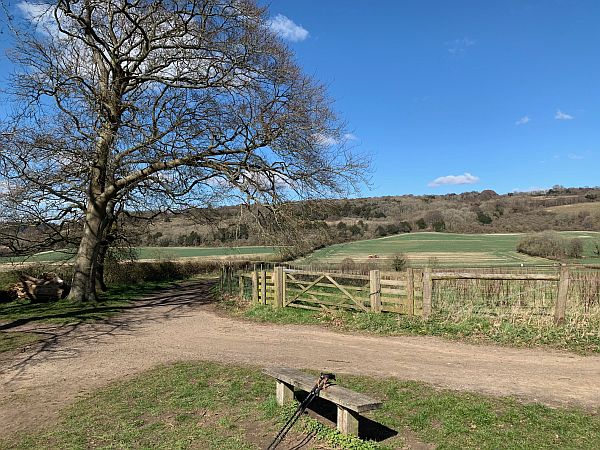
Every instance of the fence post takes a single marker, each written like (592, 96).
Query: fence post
(255, 287)
(410, 291)
(241, 285)
(561, 300)
(279, 288)
(263, 286)
(375, 290)
(427, 288)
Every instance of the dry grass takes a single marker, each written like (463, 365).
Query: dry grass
(528, 302)
(576, 208)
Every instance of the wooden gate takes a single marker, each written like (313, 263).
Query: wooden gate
(391, 292)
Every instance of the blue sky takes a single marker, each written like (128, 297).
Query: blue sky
(498, 95)
(456, 96)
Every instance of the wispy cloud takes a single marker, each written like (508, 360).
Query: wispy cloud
(562, 115)
(523, 121)
(41, 15)
(459, 46)
(287, 29)
(328, 140)
(465, 178)
(575, 156)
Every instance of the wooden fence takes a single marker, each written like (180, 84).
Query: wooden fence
(408, 292)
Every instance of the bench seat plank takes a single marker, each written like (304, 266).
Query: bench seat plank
(339, 395)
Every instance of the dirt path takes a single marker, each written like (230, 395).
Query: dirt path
(181, 325)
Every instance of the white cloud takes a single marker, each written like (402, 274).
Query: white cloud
(575, 156)
(465, 178)
(41, 15)
(562, 116)
(328, 140)
(523, 120)
(459, 46)
(287, 28)
(323, 139)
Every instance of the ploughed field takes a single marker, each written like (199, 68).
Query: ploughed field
(445, 249)
(158, 253)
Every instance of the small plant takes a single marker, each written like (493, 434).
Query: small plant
(347, 265)
(399, 262)
(596, 249)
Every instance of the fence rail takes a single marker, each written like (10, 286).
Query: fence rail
(410, 292)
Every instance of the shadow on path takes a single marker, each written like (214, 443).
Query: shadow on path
(165, 303)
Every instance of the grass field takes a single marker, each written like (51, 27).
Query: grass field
(146, 253)
(444, 249)
(576, 208)
(200, 405)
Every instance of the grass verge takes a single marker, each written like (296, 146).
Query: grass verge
(474, 330)
(212, 406)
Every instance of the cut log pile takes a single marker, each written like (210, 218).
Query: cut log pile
(48, 288)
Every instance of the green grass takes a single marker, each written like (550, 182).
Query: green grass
(445, 249)
(115, 301)
(13, 340)
(212, 406)
(474, 330)
(153, 253)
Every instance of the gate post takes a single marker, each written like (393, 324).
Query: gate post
(255, 287)
(427, 288)
(410, 291)
(561, 301)
(375, 290)
(263, 286)
(279, 287)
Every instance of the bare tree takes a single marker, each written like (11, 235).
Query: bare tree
(127, 103)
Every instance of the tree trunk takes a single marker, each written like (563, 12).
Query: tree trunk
(100, 282)
(83, 286)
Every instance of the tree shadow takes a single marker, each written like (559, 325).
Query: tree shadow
(90, 324)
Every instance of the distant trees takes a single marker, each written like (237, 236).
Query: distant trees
(483, 218)
(550, 244)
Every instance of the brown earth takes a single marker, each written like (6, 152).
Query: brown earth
(181, 324)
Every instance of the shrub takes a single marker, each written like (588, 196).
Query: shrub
(483, 218)
(575, 248)
(399, 262)
(547, 244)
(347, 265)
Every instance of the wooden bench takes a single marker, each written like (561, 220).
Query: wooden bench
(350, 404)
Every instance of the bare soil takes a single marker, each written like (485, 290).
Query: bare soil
(182, 324)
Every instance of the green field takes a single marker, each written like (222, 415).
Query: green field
(444, 249)
(156, 253)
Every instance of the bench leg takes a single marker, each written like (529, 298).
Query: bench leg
(347, 421)
(285, 393)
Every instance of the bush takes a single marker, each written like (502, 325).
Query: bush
(137, 272)
(548, 244)
(575, 248)
(347, 265)
(399, 262)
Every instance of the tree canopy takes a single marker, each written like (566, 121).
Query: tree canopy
(133, 105)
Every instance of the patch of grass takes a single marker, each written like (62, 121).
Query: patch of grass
(117, 299)
(212, 406)
(474, 330)
(13, 340)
